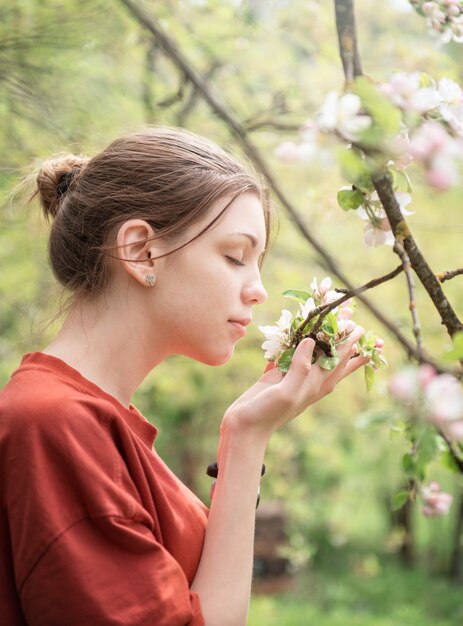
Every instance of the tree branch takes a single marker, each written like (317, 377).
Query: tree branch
(347, 37)
(430, 282)
(443, 276)
(345, 22)
(399, 250)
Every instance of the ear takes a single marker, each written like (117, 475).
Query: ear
(136, 251)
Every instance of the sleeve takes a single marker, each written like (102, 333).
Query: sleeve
(119, 575)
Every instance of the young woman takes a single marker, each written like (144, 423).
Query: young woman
(159, 240)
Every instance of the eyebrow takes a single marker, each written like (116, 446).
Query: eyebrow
(252, 238)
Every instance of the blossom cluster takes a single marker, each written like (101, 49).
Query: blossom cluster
(443, 17)
(329, 331)
(427, 397)
(435, 501)
(437, 398)
(408, 119)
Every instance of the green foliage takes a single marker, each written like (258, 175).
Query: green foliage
(456, 353)
(372, 592)
(385, 115)
(350, 199)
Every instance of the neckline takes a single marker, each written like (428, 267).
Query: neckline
(50, 363)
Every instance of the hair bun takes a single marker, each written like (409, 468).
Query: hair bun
(54, 179)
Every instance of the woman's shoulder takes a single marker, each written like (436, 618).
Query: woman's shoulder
(42, 393)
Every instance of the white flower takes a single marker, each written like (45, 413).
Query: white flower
(277, 337)
(342, 114)
(374, 237)
(305, 308)
(452, 103)
(377, 231)
(320, 290)
(405, 92)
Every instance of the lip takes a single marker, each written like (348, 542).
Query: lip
(239, 325)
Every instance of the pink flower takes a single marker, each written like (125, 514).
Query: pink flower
(287, 151)
(439, 179)
(426, 373)
(404, 385)
(428, 140)
(454, 430)
(435, 502)
(346, 326)
(345, 313)
(444, 399)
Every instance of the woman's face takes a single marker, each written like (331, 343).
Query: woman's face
(204, 293)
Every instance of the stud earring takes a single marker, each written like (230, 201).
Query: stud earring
(149, 279)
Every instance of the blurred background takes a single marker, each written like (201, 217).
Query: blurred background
(76, 74)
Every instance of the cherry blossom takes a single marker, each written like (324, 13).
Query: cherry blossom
(435, 502)
(342, 114)
(406, 92)
(443, 17)
(277, 337)
(377, 230)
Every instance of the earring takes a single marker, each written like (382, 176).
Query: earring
(149, 279)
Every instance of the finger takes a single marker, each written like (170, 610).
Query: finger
(301, 365)
(354, 364)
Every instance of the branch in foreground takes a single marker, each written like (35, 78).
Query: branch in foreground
(443, 276)
(399, 250)
(383, 186)
(347, 37)
(186, 69)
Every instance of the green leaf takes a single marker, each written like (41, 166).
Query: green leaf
(349, 199)
(351, 163)
(332, 321)
(399, 500)
(296, 294)
(371, 420)
(285, 359)
(408, 464)
(449, 462)
(456, 353)
(328, 362)
(427, 449)
(369, 377)
(364, 183)
(384, 113)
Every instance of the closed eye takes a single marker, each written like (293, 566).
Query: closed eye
(234, 261)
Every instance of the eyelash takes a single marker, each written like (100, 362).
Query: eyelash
(235, 261)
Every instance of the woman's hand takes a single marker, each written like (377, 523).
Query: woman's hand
(275, 399)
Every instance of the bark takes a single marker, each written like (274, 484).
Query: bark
(347, 37)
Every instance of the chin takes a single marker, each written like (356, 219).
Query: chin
(213, 359)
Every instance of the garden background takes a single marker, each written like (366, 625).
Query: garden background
(74, 75)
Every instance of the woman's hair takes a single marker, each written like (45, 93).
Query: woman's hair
(168, 177)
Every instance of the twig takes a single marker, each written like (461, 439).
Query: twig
(399, 250)
(443, 276)
(186, 69)
(324, 309)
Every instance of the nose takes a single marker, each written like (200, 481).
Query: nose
(254, 292)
